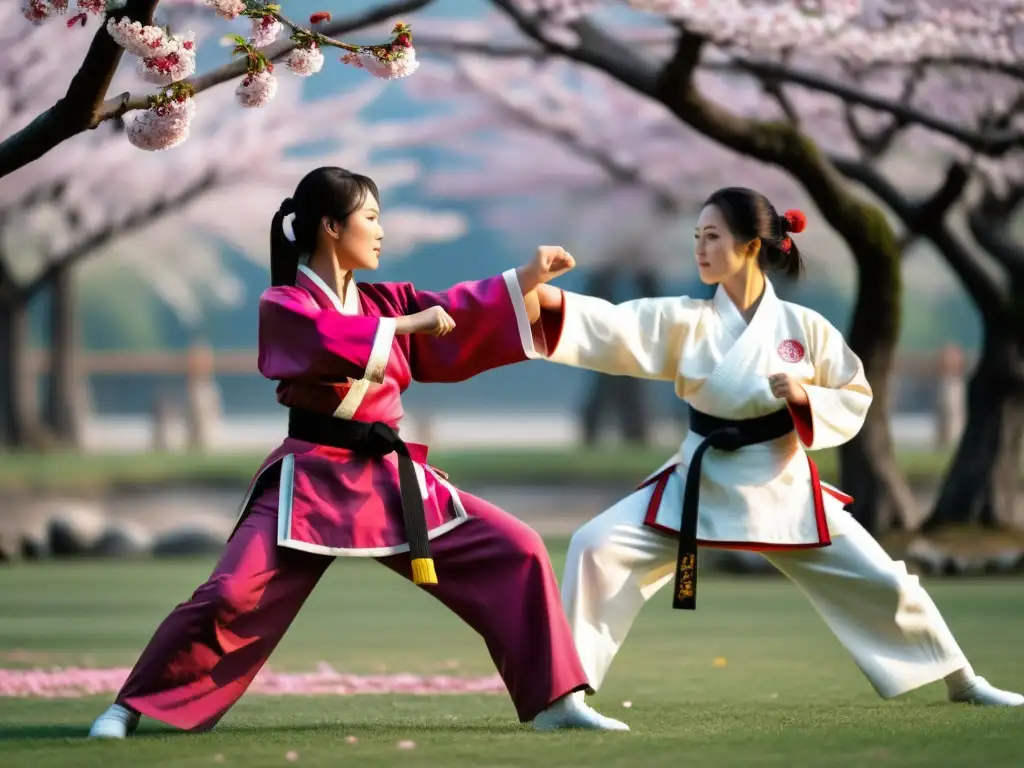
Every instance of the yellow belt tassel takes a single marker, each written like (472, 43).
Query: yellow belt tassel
(423, 571)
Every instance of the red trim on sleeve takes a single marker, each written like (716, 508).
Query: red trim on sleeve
(804, 422)
(547, 331)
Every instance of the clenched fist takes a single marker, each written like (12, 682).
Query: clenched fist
(785, 387)
(552, 261)
(433, 320)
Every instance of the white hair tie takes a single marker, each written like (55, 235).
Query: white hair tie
(286, 227)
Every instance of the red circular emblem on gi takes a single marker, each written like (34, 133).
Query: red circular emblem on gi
(791, 350)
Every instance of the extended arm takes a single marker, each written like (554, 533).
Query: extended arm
(497, 323)
(641, 338)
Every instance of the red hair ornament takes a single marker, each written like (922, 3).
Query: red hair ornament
(795, 222)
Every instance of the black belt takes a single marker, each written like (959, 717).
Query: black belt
(722, 435)
(375, 439)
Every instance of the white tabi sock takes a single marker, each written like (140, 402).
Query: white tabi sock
(959, 681)
(967, 688)
(572, 711)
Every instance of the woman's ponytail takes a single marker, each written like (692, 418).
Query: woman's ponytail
(284, 253)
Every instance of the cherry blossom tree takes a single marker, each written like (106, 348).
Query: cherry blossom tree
(168, 60)
(969, 216)
(166, 215)
(675, 54)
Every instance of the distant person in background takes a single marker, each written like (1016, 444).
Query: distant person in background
(344, 484)
(766, 380)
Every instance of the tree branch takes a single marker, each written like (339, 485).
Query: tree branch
(874, 146)
(78, 109)
(484, 48)
(777, 91)
(992, 143)
(989, 225)
(85, 106)
(105, 234)
(595, 49)
(928, 219)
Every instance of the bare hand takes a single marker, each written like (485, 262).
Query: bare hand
(787, 388)
(433, 320)
(552, 261)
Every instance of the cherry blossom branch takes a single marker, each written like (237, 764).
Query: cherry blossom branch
(169, 60)
(127, 102)
(77, 111)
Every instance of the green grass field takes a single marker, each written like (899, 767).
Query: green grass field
(753, 678)
(91, 473)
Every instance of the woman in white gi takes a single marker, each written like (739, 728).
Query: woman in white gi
(766, 380)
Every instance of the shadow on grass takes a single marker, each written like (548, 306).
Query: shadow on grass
(33, 732)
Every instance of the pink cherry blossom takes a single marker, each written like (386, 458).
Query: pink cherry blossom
(305, 61)
(256, 90)
(162, 127)
(164, 58)
(264, 31)
(175, 61)
(402, 64)
(38, 11)
(138, 40)
(227, 9)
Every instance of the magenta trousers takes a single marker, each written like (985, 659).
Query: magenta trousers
(493, 571)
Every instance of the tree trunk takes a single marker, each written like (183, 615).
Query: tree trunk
(17, 426)
(66, 392)
(869, 471)
(981, 485)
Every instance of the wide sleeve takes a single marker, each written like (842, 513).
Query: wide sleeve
(298, 340)
(492, 329)
(642, 338)
(839, 396)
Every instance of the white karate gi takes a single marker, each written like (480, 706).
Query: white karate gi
(764, 497)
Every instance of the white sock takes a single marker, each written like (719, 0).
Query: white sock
(961, 680)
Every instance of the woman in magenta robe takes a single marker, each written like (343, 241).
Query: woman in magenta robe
(344, 484)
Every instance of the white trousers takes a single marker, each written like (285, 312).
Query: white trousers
(878, 611)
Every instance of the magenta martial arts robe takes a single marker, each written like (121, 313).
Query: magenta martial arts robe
(349, 363)
(309, 503)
